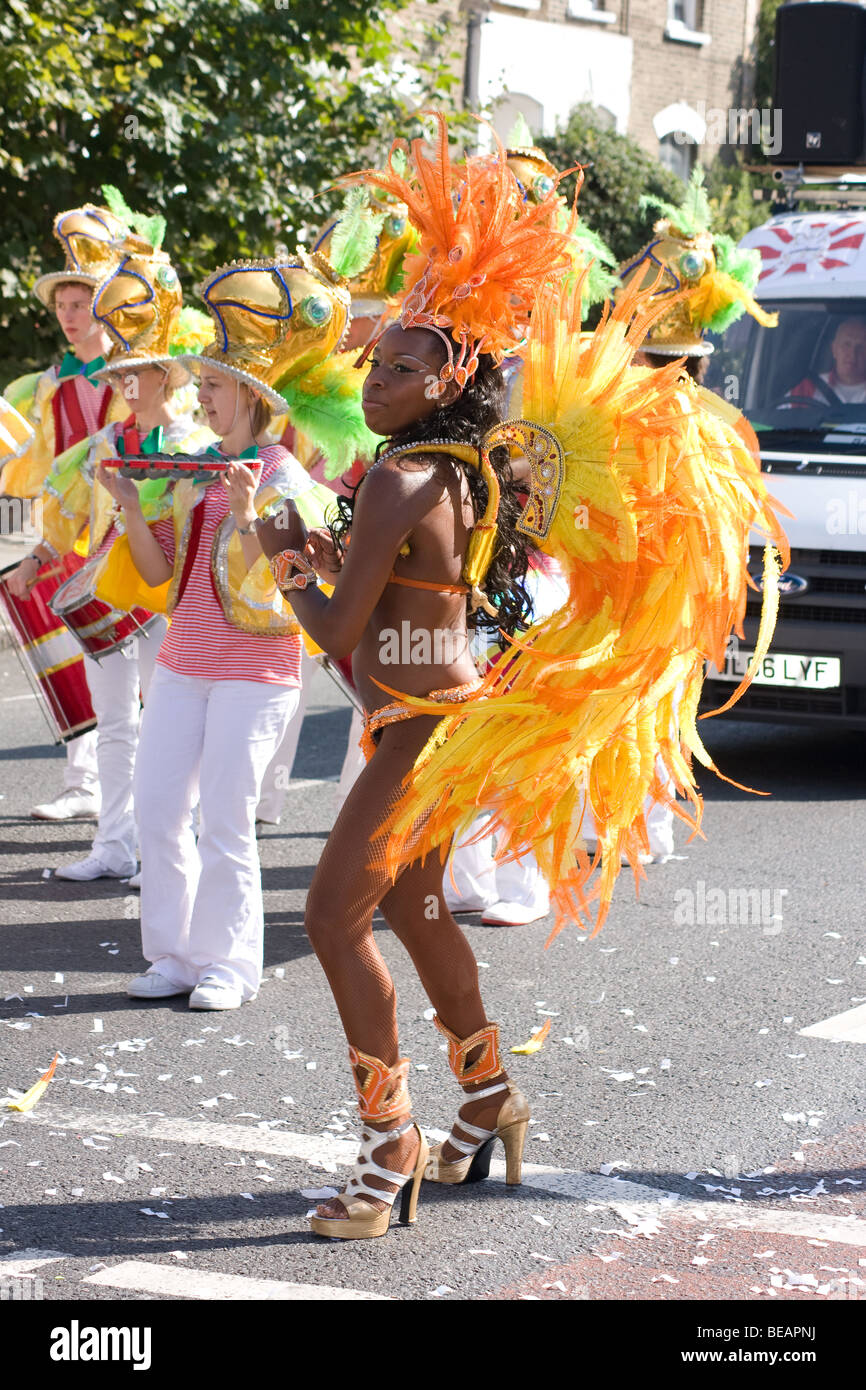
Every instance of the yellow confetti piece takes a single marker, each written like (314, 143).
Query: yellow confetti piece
(535, 1044)
(36, 1092)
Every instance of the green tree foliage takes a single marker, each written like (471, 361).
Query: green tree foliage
(765, 53)
(230, 117)
(617, 172)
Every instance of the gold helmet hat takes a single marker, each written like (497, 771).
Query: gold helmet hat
(708, 279)
(139, 305)
(275, 319)
(89, 236)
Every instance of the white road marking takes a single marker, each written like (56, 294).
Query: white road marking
(329, 1154)
(847, 1027)
(194, 1283)
(27, 1261)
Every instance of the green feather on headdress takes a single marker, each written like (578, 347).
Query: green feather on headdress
(151, 228)
(520, 137)
(355, 236)
(325, 405)
(693, 214)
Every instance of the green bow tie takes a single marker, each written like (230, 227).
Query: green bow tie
(251, 453)
(73, 366)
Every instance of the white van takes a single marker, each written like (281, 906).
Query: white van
(802, 386)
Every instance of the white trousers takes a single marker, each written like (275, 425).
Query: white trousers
(201, 903)
(279, 769)
(479, 882)
(80, 772)
(115, 682)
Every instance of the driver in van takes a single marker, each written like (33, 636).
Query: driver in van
(845, 382)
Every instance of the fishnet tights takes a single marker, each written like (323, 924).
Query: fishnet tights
(351, 881)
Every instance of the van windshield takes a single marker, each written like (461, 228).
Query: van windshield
(804, 380)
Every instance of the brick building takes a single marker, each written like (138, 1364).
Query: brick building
(661, 71)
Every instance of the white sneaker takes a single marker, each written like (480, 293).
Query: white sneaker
(135, 881)
(511, 915)
(90, 868)
(73, 804)
(466, 904)
(211, 993)
(154, 986)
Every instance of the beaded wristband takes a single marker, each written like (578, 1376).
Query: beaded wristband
(292, 570)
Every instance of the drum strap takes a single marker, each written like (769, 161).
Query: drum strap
(196, 522)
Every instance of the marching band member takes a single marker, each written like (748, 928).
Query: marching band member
(227, 674)
(65, 405)
(140, 306)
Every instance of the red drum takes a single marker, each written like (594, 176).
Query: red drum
(50, 656)
(98, 628)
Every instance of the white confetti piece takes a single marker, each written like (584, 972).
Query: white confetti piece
(442, 1290)
(534, 1255)
(148, 1211)
(98, 1025)
(493, 1252)
(46, 873)
(607, 1168)
(320, 1194)
(542, 1220)
(179, 1254)
(700, 1260)
(279, 972)
(606, 1259)
(665, 1279)
(165, 1076)
(310, 1066)
(57, 979)
(485, 964)
(557, 1284)
(21, 1024)
(111, 1177)
(690, 1177)
(249, 1196)
(542, 1138)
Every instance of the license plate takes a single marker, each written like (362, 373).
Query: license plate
(782, 668)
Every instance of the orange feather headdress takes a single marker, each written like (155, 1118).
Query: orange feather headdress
(483, 252)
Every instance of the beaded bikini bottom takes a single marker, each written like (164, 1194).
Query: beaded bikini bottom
(391, 714)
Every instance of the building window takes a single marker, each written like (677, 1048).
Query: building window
(678, 155)
(593, 10)
(684, 19)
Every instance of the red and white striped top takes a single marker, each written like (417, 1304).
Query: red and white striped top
(201, 642)
(91, 396)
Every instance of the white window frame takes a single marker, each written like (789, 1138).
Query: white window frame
(680, 31)
(590, 12)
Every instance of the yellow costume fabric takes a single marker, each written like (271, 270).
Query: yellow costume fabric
(658, 493)
(249, 598)
(26, 475)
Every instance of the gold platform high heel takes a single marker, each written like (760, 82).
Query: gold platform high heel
(473, 1142)
(383, 1095)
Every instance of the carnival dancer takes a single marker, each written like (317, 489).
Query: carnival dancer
(584, 701)
(140, 304)
(227, 674)
(424, 549)
(65, 405)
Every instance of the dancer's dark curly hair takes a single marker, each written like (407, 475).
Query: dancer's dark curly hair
(480, 406)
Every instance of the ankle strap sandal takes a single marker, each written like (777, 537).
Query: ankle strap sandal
(382, 1094)
(472, 1142)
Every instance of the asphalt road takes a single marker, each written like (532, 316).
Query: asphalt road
(182, 1142)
